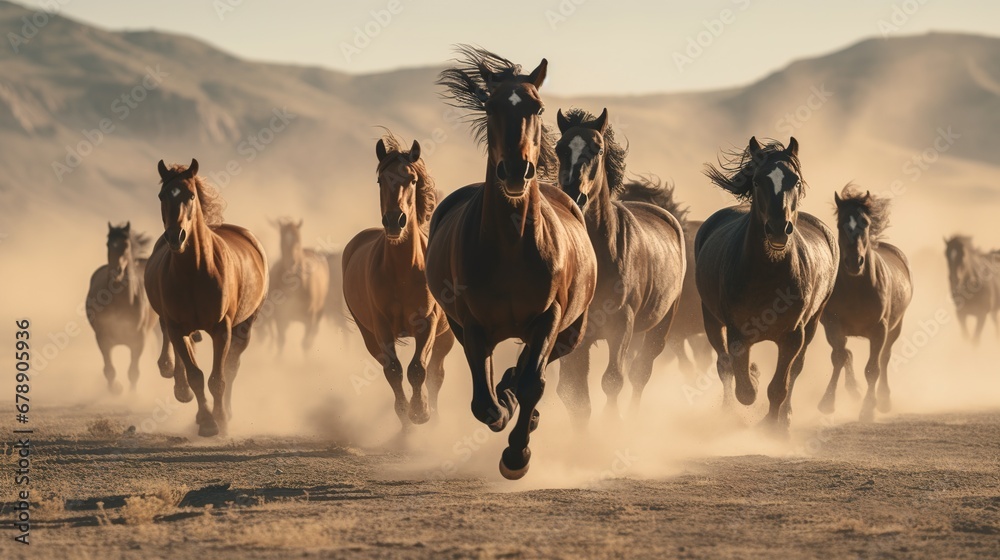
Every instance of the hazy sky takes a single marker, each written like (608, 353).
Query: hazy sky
(593, 46)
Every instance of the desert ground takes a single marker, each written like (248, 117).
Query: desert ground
(314, 466)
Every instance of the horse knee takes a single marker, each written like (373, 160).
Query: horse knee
(416, 374)
(216, 385)
(612, 382)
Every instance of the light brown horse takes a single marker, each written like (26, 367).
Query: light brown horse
(117, 307)
(203, 275)
(385, 287)
(299, 284)
(511, 257)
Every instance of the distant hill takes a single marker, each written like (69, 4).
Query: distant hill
(302, 137)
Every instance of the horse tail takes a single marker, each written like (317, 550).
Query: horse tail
(651, 190)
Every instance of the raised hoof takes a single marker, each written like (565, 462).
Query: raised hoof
(115, 388)
(419, 415)
(183, 393)
(514, 472)
(166, 370)
(826, 405)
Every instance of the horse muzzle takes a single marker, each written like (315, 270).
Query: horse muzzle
(175, 239)
(393, 223)
(855, 267)
(515, 177)
(778, 239)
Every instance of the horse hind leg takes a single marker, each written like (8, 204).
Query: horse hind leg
(109, 367)
(573, 388)
(839, 356)
(136, 352)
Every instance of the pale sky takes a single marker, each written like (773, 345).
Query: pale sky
(593, 46)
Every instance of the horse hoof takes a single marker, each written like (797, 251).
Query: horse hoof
(826, 406)
(511, 473)
(166, 371)
(419, 416)
(183, 394)
(208, 429)
(746, 392)
(533, 423)
(115, 388)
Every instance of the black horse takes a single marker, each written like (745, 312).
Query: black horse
(870, 297)
(974, 277)
(765, 271)
(640, 264)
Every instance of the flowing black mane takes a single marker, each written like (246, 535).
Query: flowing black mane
(466, 88)
(736, 168)
(649, 188)
(614, 152)
(875, 207)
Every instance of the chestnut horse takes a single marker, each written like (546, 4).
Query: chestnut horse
(640, 265)
(117, 307)
(974, 279)
(511, 257)
(299, 284)
(689, 322)
(870, 297)
(765, 271)
(385, 287)
(203, 275)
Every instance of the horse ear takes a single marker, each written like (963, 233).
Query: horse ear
(380, 149)
(162, 168)
(793, 147)
(128, 226)
(836, 198)
(753, 146)
(415, 151)
(868, 195)
(193, 168)
(537, 76)
(487, 77)
(562, 121)
(601, 124)
(110, 227)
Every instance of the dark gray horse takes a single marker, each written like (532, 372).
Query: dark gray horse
(974, 277)
(117, 307)
(869, 300)
(640, 264)
(765, 271)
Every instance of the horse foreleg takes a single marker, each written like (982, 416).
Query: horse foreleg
(485, 406)
(642, 368)
(109, 367)
(702, 351)
(382, 345)
(136, 350)
(684, 363)
(797, 365)
(779, 388)
(619, 337)
(883, 401)
(196, 380)
(166, 365)
(182, 389)
(877, 342)
(530, 386)
(443, 344)
(221, 340)
(839, 358)
(416, 373)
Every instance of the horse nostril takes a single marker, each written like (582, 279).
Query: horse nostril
(861, 261)
(529, 172)
(581, 200)
(789, 228)
(181, 237)
(401, 220)
(501, 171)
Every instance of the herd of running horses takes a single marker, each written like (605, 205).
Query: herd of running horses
(555, 249)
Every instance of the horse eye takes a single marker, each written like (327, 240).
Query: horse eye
(600, 152)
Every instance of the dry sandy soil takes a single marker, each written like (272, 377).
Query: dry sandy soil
(909, 486)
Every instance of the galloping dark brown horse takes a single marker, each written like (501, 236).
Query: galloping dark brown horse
(689, 321)
(299, 284)
(870, 297)
(765, 271)
(510, 258)
(117, 307)
(203, 275)
(640, 264)
(385, 287)
(974, 278)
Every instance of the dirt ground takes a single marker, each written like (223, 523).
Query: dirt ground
(912, 485)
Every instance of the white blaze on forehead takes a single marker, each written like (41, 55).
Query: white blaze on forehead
(777, 177)
(514, 99)
(176, 192)
(852, 223)
(576, 146)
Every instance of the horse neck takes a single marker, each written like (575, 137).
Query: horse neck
(294, 256)
(602, 215)
(202, 248)
(409, 253)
